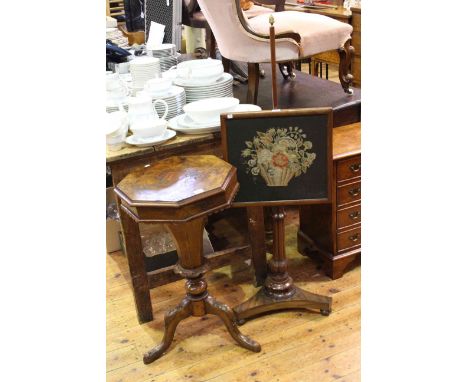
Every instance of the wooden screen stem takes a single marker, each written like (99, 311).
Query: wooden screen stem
(273, 63)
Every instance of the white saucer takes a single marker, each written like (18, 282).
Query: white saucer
(150, 141)
(173, 124)
(189, 123)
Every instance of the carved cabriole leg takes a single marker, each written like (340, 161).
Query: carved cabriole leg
(253, 79)
(171, 320)
(346, 55)
(227, 315)
(279, 291)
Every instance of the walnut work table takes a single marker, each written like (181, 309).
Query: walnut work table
(180, 192)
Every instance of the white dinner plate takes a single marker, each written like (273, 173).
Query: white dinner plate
(150, 141)
(190, 84)
(220, 90)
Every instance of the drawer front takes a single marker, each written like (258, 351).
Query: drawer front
(348, 193)
(348, 168)
(348, 239)
(348, 216)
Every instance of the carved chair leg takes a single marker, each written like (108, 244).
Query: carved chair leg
(253, 79)
(171, 320)
(227, 315)
(226, 64)
(287, 71)
(346, 55)
(210, 42)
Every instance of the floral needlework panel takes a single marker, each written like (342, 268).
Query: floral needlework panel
(279, 158)
(279, 155)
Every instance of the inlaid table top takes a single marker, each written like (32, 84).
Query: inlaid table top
(179, 188)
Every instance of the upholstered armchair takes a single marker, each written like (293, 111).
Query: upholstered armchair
(298, 35)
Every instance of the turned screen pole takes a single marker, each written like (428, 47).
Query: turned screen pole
(273, 63)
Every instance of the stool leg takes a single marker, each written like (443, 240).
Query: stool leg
(253, 80)
(171, 320)
(136, 265)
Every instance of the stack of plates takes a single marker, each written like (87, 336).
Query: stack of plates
(175, 99)
(168, 62)
(112, 105)
(163, 50)
(194, 92)
(167, 55)
(143, 69)
(184, 124)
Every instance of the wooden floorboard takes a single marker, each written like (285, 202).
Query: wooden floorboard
(296, 345)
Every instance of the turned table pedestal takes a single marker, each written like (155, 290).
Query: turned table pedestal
(181, 192)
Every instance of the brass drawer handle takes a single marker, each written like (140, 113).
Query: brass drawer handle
(355, 215)
(355, 167)
(355, 237)
(355, 191)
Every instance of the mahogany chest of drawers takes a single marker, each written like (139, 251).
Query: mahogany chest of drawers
(333, 231)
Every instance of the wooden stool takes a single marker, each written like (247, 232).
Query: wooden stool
(180, 192)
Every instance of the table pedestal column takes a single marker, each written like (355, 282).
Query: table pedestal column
(197, 301)
(279, 292)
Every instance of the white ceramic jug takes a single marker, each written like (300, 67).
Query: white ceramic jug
(142, 108)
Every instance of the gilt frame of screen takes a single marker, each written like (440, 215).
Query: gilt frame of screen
(283, 157)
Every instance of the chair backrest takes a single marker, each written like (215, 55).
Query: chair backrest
(225, 24)
(236, 40)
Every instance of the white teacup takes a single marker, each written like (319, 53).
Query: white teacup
(116, 130)
(149, 127)
(158, 86)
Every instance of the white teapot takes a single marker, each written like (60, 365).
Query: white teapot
(142, 108)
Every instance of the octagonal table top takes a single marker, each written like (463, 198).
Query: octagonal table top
(176, 179)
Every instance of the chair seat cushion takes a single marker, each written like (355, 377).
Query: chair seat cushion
(318, 33)
(256, 10)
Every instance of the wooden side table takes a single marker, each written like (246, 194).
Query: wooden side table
(333, 231)
(179, 192)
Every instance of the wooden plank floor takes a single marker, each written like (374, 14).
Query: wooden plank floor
(296, 345)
